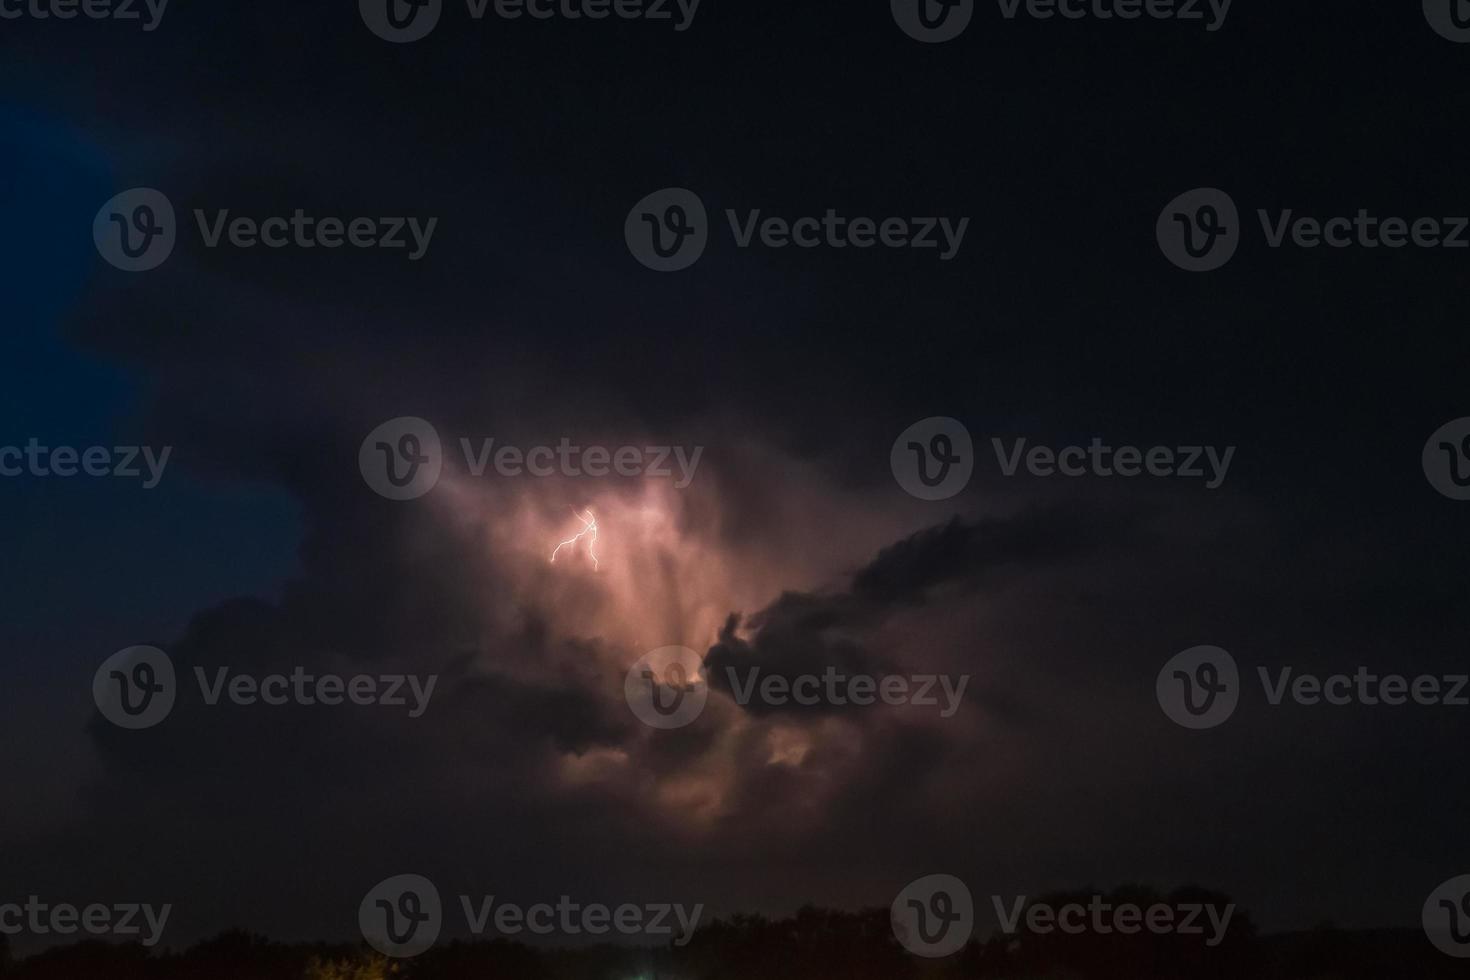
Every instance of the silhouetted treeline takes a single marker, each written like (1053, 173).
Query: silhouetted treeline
(814, 944)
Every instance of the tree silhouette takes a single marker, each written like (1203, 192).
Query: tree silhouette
(814, 944)
(362, 966)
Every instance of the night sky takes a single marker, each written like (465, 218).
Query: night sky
(793, 547)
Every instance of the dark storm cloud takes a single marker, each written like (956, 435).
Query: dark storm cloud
(805, 634)
(904, 571)
(788, 644)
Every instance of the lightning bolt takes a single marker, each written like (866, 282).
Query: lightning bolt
(589, 526)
